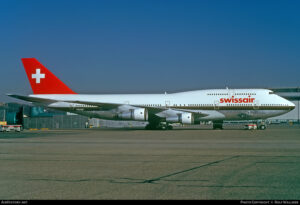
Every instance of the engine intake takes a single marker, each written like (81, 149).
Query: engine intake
(184, 118)
(139, 114)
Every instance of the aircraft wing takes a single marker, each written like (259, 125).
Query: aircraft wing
(109, 106)
(103, 106)
(100, 105)
(152, 110)
(49, 101)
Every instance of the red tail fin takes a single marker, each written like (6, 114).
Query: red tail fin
(42, 81)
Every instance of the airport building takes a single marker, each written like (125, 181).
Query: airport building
(32, 117)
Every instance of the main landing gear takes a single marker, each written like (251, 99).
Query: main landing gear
(218, 125)
(158, 126)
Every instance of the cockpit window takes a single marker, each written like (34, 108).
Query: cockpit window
(271, 92)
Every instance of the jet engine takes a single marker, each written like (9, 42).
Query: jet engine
(184, 118)
(139, 114)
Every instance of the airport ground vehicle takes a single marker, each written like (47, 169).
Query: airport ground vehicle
(259, 125)
(250, 127)
(9, 128)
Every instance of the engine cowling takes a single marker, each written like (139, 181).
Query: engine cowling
(139, 114)
(184, 118)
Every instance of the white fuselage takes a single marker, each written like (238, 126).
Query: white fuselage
(214, 104)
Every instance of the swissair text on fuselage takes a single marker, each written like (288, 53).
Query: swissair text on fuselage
(237, 100)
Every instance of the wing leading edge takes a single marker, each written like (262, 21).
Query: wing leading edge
(101, 105)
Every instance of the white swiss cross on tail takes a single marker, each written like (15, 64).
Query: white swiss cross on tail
(38, 75)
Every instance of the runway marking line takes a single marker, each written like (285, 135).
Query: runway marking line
(188, 170)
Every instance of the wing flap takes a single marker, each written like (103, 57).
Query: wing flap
(102, 106)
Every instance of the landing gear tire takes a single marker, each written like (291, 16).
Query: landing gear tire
(158, 127)
(262, 127)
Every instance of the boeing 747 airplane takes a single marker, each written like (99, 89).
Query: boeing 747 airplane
(160, 110)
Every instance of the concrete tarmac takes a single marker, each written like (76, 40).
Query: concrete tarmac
(143, 164)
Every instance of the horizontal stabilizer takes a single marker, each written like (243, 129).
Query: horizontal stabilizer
(31, 99)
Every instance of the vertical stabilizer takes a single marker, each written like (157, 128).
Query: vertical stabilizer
(42, 81)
